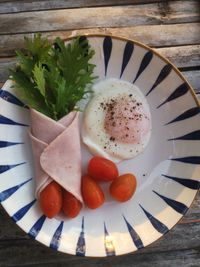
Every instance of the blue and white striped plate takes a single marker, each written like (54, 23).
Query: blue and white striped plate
(168, 172)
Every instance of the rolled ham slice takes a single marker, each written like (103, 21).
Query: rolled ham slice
(57, 152)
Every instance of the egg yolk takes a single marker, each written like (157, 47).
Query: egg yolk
(125, 119)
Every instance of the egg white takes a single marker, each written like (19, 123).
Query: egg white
(93, 132)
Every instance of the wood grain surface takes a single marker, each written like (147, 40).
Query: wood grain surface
(152, 35)
(173, 29)
(7, 6)
(117, 16)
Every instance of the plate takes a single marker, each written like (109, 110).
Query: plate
(167, 171)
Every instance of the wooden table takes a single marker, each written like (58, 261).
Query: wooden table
(173, 28)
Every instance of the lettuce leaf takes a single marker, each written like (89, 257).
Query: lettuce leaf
(53, 78)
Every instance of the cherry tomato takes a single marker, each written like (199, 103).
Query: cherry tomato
(71, 205)
(92, 194)
(102, 169)
(123, 187)
(51, 199)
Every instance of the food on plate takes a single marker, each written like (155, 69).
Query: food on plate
(102, 169)
(56, 151)
(51, 80)
(123, 187)
(71, 206)
(51, 199)
(117, 120)
(92, 193)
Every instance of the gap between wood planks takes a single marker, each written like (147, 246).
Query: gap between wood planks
(118, 16)
(183, 221)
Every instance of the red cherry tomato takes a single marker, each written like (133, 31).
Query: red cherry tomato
(123, 187)
(102, 169)
(71, 205)
(92, 194)
(51, 199)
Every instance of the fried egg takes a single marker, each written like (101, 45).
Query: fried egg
(117, 121)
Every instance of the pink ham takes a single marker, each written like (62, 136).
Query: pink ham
(57, 152)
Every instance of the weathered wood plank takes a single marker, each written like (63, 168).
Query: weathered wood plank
(187, 258)
(82, 3)
(5, 65)
(184, 258)
(193, 77)
(193, 214)
(182, 56)
(28, 5)
(153, 35)
(176, 242)
(118, 16)
(8, 228)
